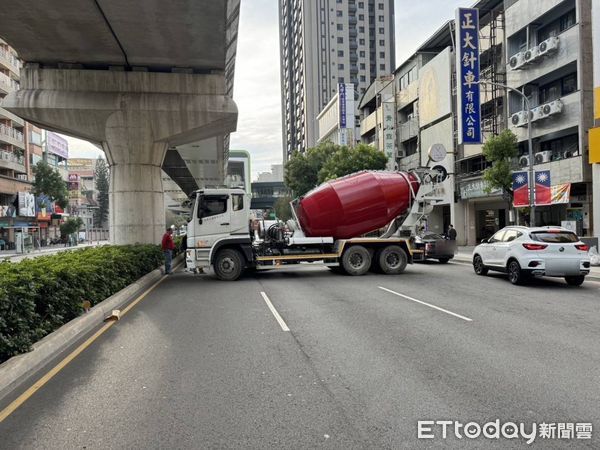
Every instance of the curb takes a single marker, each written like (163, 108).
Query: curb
(18, 368)
(591, 277)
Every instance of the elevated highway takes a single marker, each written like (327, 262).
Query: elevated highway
(150, 81)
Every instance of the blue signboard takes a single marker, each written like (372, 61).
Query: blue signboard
(467, 67)
(342, 103)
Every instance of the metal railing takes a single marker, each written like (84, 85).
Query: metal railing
(8, 56)
(8, 156)
(11, 132)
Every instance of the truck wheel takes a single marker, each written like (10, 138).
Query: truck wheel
(228, 264)
(392, 260)
(356, 260)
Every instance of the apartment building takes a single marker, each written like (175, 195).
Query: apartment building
(324, 43)
(549, 55)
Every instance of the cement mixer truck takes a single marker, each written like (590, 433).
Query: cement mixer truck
(360, 222)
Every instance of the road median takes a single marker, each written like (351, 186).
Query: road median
(18, 368)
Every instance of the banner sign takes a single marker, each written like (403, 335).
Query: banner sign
(561, 193)
(543, 191)
(26, 204)
(467, 64)
(389, 133)
(520, 189)
(342, 91)
(57, 145)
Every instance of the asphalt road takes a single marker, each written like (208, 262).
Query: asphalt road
(205, 364)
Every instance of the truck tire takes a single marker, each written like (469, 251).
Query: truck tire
(356, 260)
(228, 264)
(392, 260)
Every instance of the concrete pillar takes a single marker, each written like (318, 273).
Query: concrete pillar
(135, 117)
(595, 152)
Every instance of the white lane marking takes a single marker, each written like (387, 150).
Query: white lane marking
(426, 304)
(281, 322)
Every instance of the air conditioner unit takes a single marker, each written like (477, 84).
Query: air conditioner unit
(516, 61)
(554, 107)
(548, 47)
(537, 113)
(524, 161)
(543, 157)
(519, 119)
(570, 153)
(531, 55)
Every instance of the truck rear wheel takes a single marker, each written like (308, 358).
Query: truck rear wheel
(392, 259)
(356, 260)
(228, 264)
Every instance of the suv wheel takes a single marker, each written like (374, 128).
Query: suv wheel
(575, 280)
(515, 274)
(478, 266)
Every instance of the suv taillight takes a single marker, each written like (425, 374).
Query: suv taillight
(535, 246)
(582, 247)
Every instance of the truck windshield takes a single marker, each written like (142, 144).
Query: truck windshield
(211, 205)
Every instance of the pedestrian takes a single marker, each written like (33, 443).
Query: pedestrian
(451, 233)
(167, 247)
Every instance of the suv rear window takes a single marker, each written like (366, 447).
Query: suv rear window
(560, 237)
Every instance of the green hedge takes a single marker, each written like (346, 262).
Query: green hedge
(39, 295)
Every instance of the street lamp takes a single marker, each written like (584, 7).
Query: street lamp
(529, 143)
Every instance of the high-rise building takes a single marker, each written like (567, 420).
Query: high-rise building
(323, 43)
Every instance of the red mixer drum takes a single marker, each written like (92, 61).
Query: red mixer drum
(356, 204)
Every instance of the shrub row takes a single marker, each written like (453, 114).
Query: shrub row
(39, 295)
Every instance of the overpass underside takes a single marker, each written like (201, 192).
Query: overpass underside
(152, 85)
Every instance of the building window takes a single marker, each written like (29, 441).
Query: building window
(382, 54)
(361, 41)
(557, 26)
(381, 30)
(381, 66)
(340, 40)
(363, 78)
(558, 88)
(380, 6)
(362, 66)
(340, 67)
(382, 42)
(361, 4)
(340, 53)
(340, 26)
(361, 17)
(381, 19)
(361, 29)
(341, 80)
(361, 54)
(339, 13)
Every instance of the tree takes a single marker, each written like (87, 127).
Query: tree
(305, 171)
(348, 160)
(282, 208)
(102, 184)
(302, 170)
(500, 150)
(49, 182)
(70, 226)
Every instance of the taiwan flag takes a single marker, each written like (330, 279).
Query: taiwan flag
(543, 190)
(520, 189)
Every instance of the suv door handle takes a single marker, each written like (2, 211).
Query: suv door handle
(225, 224)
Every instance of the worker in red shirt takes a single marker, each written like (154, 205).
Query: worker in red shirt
(167, 247)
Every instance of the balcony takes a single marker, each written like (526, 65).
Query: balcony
(4, 114)
(9, 62)
(407, 95)
(369, 123)
(11, 136)
(11, 161)
(408, 129)
(568, 117)
(7, 84)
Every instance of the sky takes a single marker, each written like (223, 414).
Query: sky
(257, 87)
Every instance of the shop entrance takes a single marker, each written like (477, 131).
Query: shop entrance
(489, 221)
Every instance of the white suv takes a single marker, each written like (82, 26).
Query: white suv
(523, 252)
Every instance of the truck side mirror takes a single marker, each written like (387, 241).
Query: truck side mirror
(199, 221)
(484, 241)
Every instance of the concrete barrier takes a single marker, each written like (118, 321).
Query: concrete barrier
(18, 368)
